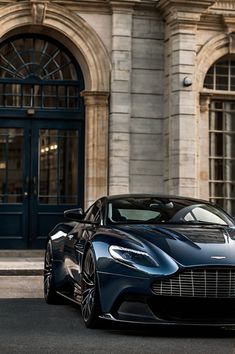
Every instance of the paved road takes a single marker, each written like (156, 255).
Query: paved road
(29, 326)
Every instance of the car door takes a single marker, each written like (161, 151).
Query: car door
(77, 240)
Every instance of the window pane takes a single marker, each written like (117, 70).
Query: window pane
(232, 63)
(221, 83)
(11, 165)
(220, 75)
(222, 69)
(37, 70)
(217, 104)
(216, 144)
(216, 166)
(58, 166)
(209, 82)
(232, 88)
(222, 154)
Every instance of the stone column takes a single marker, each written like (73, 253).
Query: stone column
(203, 139)
(181, 129)
(182, 119)
(120, 109)
(96, 145)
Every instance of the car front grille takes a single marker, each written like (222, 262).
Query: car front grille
(198, 283)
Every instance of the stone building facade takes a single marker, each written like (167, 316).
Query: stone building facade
(157, 94)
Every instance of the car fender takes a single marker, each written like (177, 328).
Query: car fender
(113, 275)
(57, 237)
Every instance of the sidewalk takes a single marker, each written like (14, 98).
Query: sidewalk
(21, 273)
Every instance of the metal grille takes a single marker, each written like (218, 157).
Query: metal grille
(200, 283)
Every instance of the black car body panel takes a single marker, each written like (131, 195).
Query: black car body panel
(151, 271)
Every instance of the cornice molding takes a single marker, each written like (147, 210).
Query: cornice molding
(184, 10)
(91, 3)
(224, 5)
(5, 2)
(212, 21)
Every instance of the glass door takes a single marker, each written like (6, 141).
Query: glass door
(41, 175)
(57, 175)
(14, 164)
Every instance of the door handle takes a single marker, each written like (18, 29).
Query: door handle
(26, 187)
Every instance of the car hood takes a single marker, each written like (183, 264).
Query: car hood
(188, 245)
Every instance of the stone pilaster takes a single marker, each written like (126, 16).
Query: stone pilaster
(96, 145)
(120, 109)
(203, 140)
(181, 155)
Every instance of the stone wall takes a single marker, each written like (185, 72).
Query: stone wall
(147, 96)
(149, 132)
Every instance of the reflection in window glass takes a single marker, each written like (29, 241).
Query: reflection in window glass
(58, 182)
(11, 165)
(151, 210)
(221, 75)
(36, 73)
(222, 154)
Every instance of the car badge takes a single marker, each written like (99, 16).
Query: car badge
(218, 257)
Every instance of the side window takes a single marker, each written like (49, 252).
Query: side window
(94, 213)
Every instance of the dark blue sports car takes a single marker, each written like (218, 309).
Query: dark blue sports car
(145, 259)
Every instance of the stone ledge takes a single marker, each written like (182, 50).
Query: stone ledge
(19, 263)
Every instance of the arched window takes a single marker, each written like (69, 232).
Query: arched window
(221, 77)
(36, 72)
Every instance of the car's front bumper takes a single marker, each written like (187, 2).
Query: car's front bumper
(131, 299)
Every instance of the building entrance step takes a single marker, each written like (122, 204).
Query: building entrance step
(22, 253)
(21, 262)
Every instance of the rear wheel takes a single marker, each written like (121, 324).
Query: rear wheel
(50, 295)
(90, 305)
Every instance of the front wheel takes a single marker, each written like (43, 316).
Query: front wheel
(90, 305)
(50, 295)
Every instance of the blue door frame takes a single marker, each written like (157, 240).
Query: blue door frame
(27, 218)
(41, 138)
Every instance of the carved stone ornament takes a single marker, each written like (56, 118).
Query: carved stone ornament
(38, 11)
(204, 102)
(231, 37)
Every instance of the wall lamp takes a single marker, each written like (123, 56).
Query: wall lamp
(187, 81)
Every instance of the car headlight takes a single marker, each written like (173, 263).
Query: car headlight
(133, 258)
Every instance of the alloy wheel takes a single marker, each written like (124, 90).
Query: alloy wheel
(50, 294)
(90, 298)
(47, 271)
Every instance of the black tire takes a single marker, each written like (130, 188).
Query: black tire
(50, 295)
(90, 304)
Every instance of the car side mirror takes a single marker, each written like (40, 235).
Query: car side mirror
(74, 214)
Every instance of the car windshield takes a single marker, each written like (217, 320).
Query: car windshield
(153, 210)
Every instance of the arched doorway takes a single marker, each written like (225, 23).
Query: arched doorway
(41, 138)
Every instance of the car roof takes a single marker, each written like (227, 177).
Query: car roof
(148, 195)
